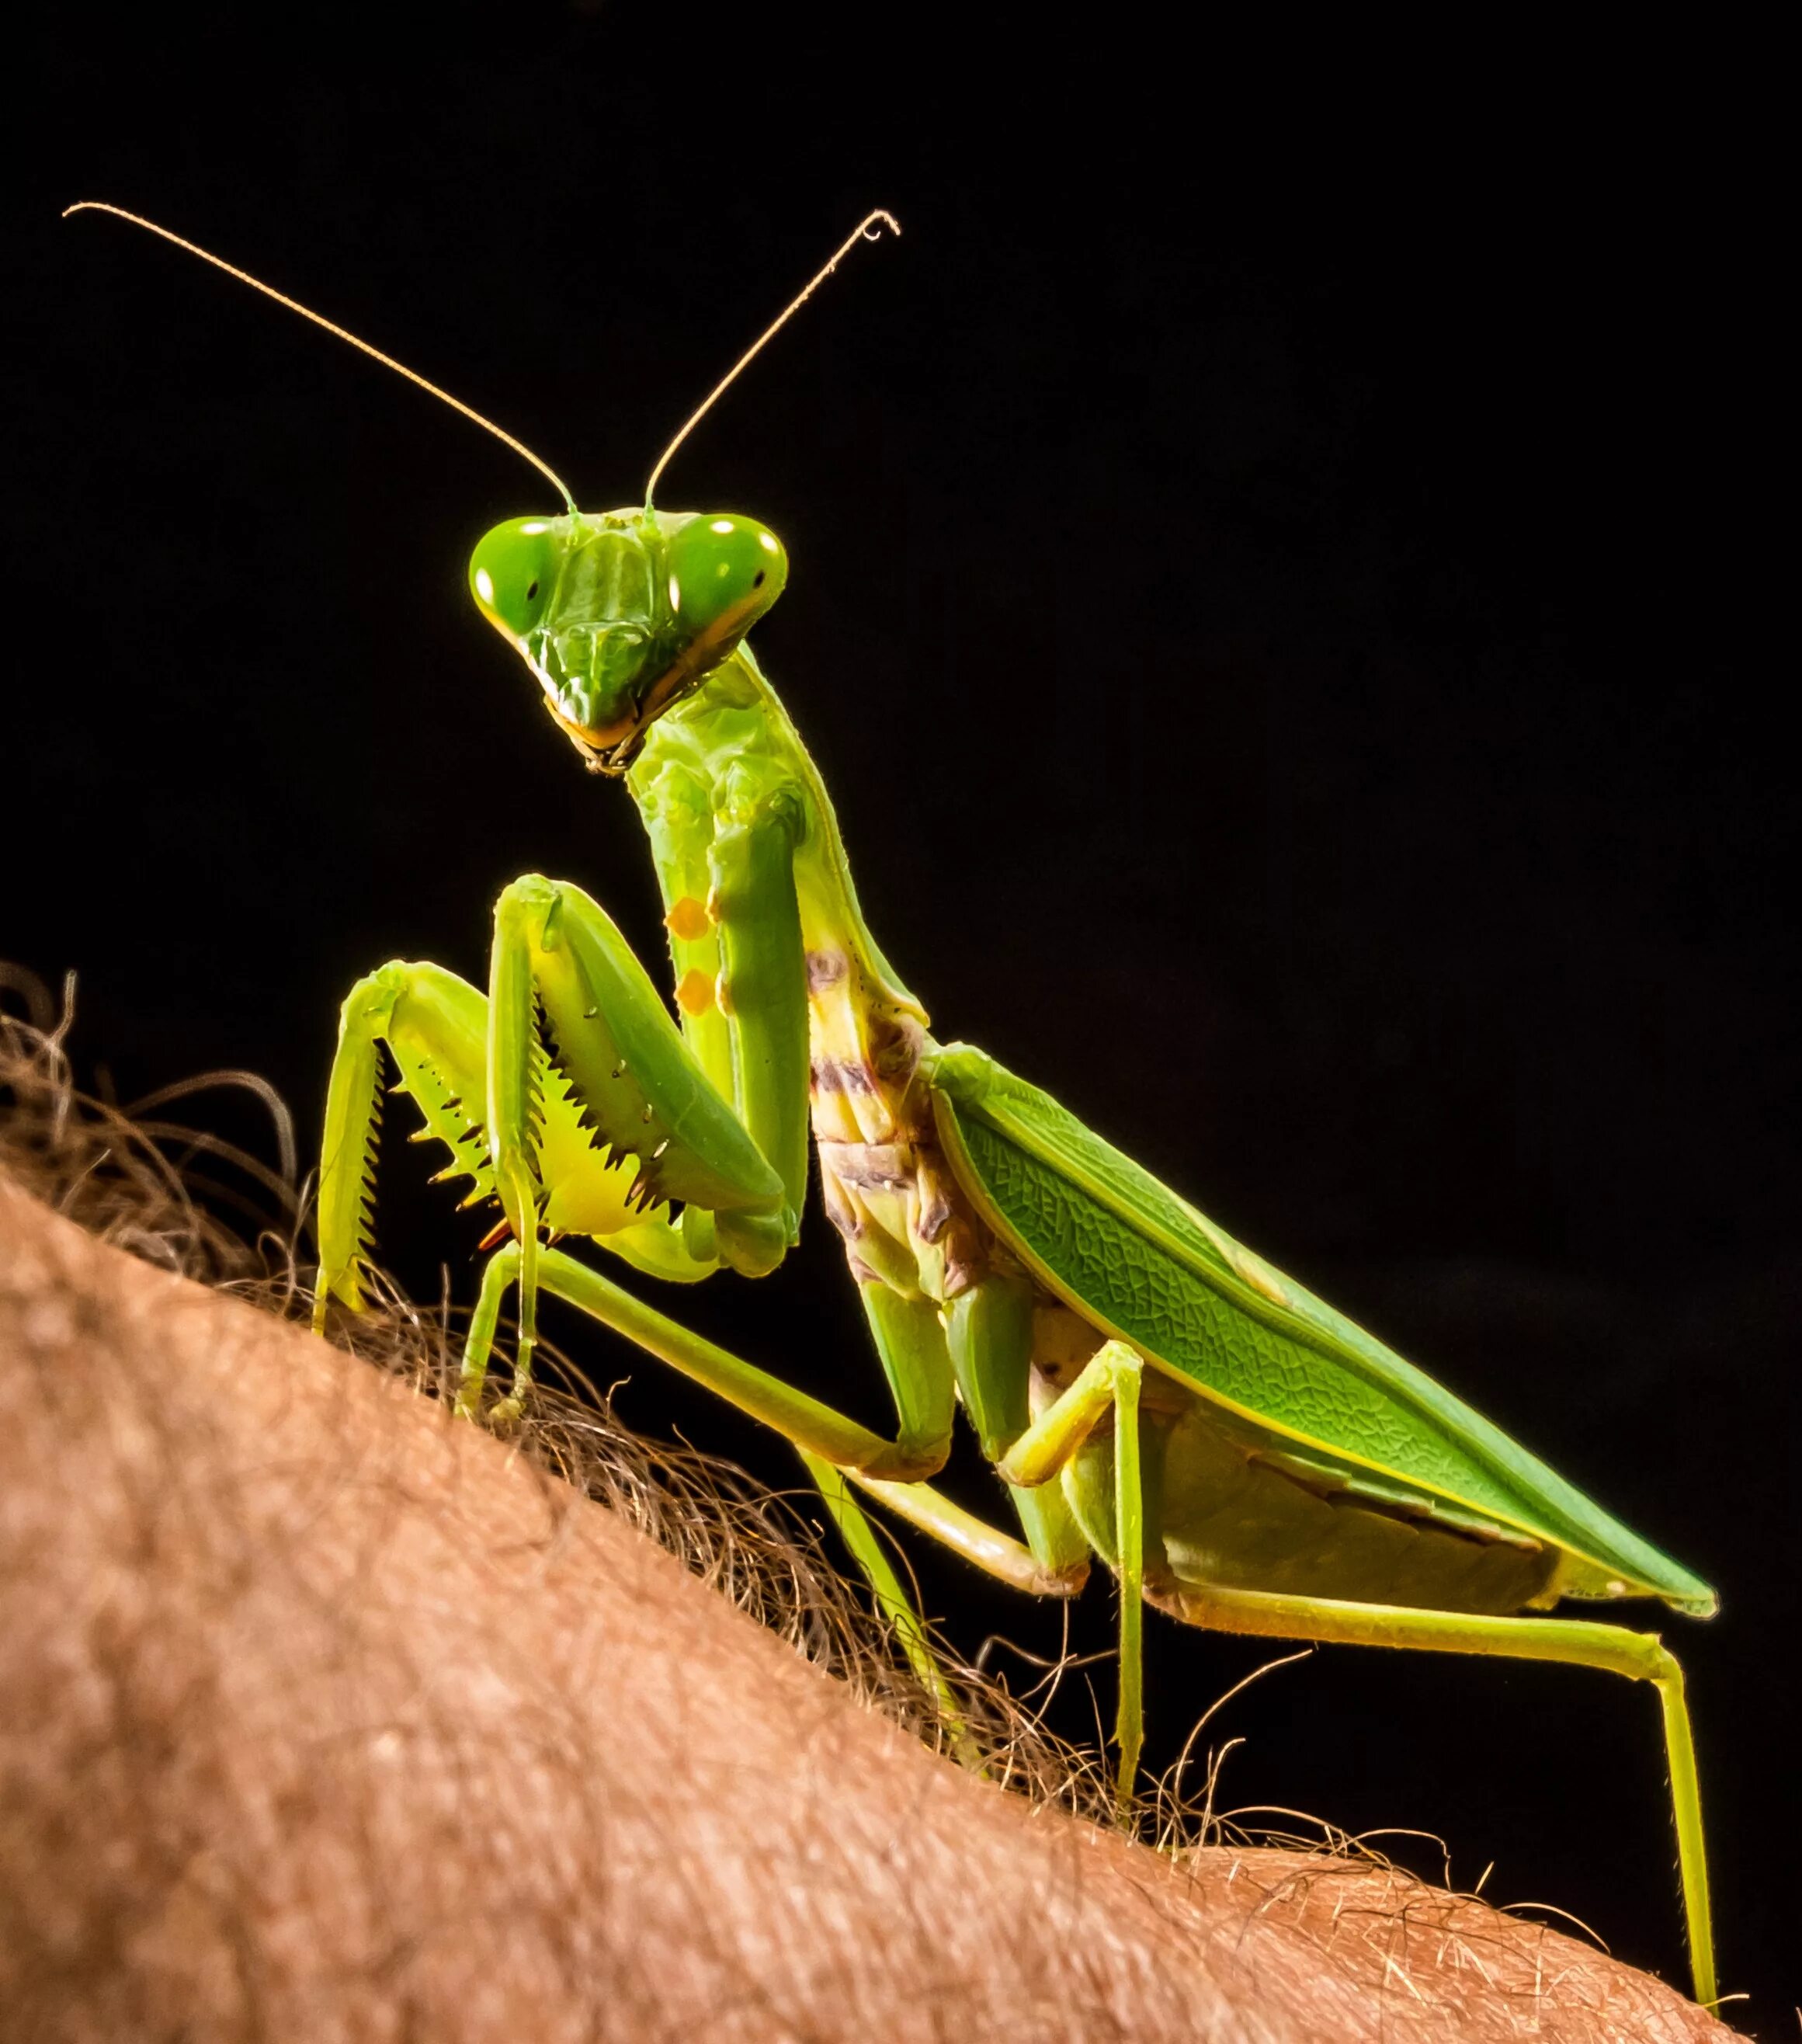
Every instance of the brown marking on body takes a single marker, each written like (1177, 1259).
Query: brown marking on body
(895, 1048)
(687, 920)
(722, 993)
(889, 1190)
(839, 1210)
(841, 1075)
(935, 1215)
(961, 1276)
(694, 995)
(884, 1167)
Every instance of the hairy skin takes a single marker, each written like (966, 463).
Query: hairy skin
(324, 1717)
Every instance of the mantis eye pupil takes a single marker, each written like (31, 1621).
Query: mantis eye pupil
(531, 590)
(757, 580)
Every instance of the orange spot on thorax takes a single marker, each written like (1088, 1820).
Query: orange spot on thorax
(687, 920)
(694, 995)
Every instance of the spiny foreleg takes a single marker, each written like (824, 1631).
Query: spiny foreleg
(434, 1027)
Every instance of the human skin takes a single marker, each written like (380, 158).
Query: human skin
(322, 1717)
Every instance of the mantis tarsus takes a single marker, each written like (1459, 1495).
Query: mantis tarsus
(1148, 1391)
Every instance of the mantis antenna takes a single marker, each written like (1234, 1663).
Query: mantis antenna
(387, 361)
(868, 228)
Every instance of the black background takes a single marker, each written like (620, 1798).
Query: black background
(1281, 593)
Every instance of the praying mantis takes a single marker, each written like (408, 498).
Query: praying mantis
(1150, 1392)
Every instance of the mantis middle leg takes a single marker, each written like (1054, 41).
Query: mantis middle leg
(807, 1422)
(831, 1446)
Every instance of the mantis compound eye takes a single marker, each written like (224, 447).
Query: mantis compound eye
(725, 572)
(513, 572)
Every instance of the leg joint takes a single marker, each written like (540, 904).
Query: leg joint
(527, 905)
(908, 1460)
(369, 1007)
(1124, 1366)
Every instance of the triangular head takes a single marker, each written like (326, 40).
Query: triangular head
(622, 614)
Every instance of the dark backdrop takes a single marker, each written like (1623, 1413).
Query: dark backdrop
(1280, 593)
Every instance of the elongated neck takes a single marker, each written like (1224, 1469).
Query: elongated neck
(727, 760)
(732, 749)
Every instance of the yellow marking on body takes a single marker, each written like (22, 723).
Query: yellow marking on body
(837, 1039)
(687, 920)
(694, 995)
(833, 1120)
(722, 993)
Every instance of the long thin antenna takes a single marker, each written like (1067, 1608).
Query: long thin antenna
(870, 229)
(344, 333)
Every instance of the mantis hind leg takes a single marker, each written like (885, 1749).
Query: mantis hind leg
(1579, 1642)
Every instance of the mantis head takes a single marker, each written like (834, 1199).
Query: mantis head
(620, 617)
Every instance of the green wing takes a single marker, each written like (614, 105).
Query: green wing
(1128, 1253)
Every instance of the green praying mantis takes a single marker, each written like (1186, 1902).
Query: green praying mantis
(1148, 1391)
